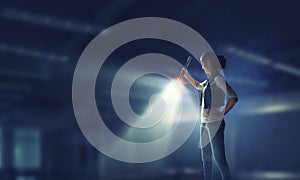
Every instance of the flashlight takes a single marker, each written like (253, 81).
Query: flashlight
(187, 63)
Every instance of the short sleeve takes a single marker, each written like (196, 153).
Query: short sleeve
(226, 88)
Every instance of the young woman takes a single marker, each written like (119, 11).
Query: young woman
(214, 106)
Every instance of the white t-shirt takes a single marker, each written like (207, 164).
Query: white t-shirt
(219, 90)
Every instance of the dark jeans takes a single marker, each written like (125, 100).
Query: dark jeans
(213, 149)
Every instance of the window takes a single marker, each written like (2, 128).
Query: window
(25, 178)
(27, 149)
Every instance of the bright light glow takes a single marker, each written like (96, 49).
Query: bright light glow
(171, 98)
(246, 81)
(35, 53)
(274, 108)
(166, 109)
(60, 23)
(263, 60)
(248, 55)
(172, 92)
(269, 104)
(269, 108)
(287, 68)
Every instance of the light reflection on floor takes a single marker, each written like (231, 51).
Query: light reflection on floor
(193, 173)
(262, 175)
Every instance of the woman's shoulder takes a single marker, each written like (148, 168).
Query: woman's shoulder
(220, 76)
(220, 80)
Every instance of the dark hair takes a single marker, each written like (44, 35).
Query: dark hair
(216, 60)
(222, 61)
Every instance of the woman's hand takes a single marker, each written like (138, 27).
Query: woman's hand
(183, 71)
